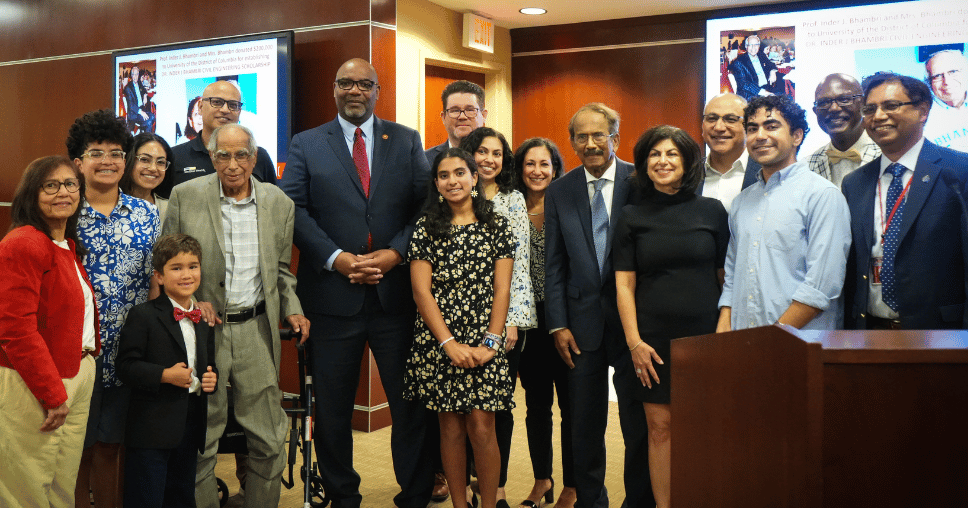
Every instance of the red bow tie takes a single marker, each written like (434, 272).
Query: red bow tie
(195, 315)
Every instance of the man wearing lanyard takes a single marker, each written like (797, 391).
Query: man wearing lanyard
(906, 269)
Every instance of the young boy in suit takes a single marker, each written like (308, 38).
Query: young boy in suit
(167, 357)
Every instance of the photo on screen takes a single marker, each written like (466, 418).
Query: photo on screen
(137, 82)
(758, 61)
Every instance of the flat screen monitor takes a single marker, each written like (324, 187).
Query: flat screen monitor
(158, 89)
(806, 46)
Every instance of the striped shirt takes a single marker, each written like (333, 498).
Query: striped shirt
(243, 278)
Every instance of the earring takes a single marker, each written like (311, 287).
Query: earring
(474, 193)
(440, 198)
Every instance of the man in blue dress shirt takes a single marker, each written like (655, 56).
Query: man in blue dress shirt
(790, 231)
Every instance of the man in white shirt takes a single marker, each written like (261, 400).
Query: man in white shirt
(728, 168)
(837, 104)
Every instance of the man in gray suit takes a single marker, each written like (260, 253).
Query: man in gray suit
(245, 228)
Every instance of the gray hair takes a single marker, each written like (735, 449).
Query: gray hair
(213, 141)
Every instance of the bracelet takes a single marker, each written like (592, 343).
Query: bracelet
(637, 345)
(446, 341)
(494, 337)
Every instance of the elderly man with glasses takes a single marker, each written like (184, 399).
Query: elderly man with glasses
(838, 101)
(908, 220)
(245, 229)
(221, 104)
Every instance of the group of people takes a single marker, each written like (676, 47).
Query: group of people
(462, 268)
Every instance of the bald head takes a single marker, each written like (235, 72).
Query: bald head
(837, 104)
(215, 117)
(948, 76)
(356, 90)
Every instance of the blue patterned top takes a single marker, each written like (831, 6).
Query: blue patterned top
(118, 263)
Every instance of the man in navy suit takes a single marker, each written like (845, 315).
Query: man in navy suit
(463, 112)
(906, 269)
(581, 210)
(359, 183)
(729, 169)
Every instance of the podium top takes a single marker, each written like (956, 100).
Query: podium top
(888, 346)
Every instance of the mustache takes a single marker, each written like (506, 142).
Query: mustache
(595, 151)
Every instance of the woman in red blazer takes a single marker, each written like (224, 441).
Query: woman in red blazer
(48, 339)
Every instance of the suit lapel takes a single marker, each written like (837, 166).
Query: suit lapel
(620, 196)
(870, 181)
(338, 144)
(265, 234)
(215, 214)
(579, 196)
(922, 181)
(381, 150)
(167, 318)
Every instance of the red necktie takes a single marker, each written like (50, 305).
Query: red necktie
(195, 315)
(363, 169)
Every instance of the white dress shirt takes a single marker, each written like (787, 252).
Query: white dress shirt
(725, 186)
(188, 333)
(607, 189)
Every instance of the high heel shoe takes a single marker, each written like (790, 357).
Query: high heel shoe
(549, 497)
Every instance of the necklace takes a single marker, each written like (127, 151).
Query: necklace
(535, 214)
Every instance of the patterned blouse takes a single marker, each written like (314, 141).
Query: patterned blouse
(537, 262)
(522, 312)
(118, 263)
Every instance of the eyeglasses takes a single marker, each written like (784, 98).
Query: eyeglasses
(218, 102)
(729, 119)
(470, 112)
(599, 138)
(842, 101)
(364, 85)
(935, 79)
(52, 187)
(99, 155)
(223, 157)
(161, 164)
(886, 106)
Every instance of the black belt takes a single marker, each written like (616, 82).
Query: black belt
(247, 314)
(879, 323)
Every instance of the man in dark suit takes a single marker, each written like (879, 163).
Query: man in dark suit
(729, 169)
(581, 210)
(359, 183)
(752, 73)
(463, 112)
(138, 114)
(906, 269)
(245, 229)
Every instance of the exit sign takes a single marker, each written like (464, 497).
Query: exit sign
(478, 33)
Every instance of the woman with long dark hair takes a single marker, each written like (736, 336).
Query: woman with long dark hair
(145, 169)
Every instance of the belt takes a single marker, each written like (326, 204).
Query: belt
(247, 314)
(879, 323)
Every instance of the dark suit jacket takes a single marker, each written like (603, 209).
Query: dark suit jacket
(749, 177)
(932, 251)
(132, 99)
(577, 297)
(332, 212)
(746, 80)
(433, 152)
(151, 341)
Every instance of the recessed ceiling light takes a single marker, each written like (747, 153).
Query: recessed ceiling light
(534, 11)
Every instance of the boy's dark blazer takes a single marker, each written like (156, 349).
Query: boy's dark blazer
(151, 341)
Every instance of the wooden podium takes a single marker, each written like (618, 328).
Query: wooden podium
(778, 417)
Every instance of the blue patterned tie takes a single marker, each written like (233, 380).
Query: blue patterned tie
(889, 284)
(599, 223)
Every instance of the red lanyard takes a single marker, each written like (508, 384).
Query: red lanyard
(883, 207)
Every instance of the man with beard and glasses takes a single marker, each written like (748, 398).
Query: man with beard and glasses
(581, 210)
(837, 105)
(359, 183)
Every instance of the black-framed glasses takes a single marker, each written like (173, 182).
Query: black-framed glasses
(599, 138)
(223, 157)
(218, 102)
(841, 100)
(365, 85)
(99, 155)
(886, 106)
(51, 187)
(729, 118)
(470, 112)
(161, 164)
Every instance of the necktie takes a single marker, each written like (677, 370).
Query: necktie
(362, 169)
(195, 314)
(890, 238)
(836, 156)
(599, 223)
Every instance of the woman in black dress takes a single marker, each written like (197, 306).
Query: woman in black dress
(668, 253)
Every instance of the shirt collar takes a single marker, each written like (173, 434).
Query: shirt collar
(177, 306)
(349, 130)
(124, 201)
(782, 174)
(245, 200)
(908, 160)
(739, 166)
(609, 173)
